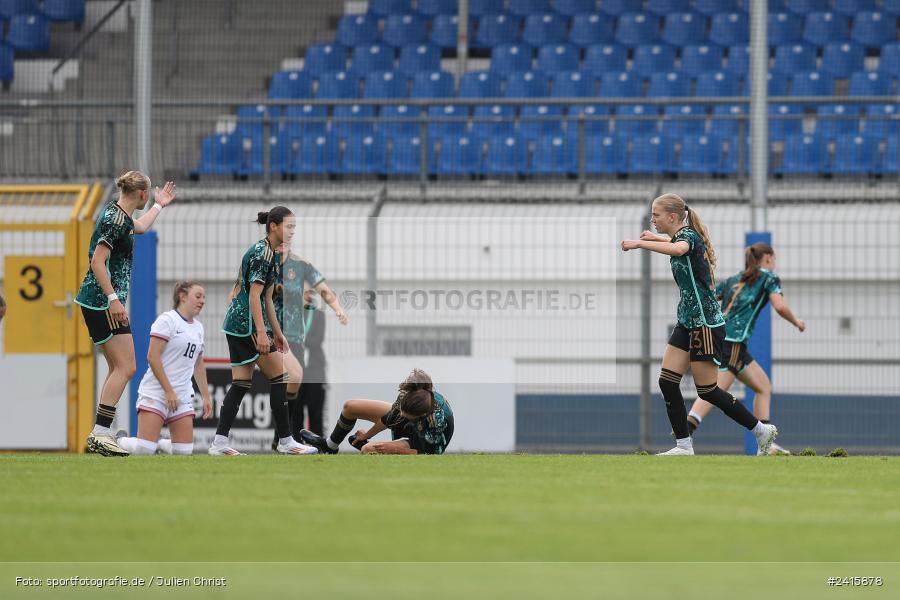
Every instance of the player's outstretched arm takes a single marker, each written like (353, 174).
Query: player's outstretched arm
(203, 384)
(785, 312)
(679, 248)
(163, 198)
(393, 447)
(331, 300)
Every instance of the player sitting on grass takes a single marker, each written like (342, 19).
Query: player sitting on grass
(420, 421)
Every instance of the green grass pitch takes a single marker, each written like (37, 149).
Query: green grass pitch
(456, 526)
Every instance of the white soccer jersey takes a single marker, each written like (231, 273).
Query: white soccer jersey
(184, 345)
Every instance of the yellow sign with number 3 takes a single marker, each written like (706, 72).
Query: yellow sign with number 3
(37, 306)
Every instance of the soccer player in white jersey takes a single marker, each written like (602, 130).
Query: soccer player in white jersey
(166, 395)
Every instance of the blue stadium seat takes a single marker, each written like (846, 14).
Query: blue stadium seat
(553, 155)
(726, 120)
(637, 28)
(890, 162)
(718, 83)
(253, 162)
(322, 58)
(11, 8)
(306, 120)
(682, 29)
(540, 120)
(434, 8)
(345, 121)
(803, 154)
(669, 84)
(385, 8)
(448, 120)
(374, 57)
(702, 154)
(386, 84)
(652, 154)
(445, 28)
(617, 8)
(478, 8)
(544, 29)
(729, 29)
(571, 8)
(777, 84)
(604, 155)
(481, 84)
(420, 57)
(600, 59)
(636, 119)
(683, 119)
(738, 60)
(494, 30)
(337, 85)
(874, 29)
(620, 84)
(833, 120)
(812, 83)
(526, 84)
(794, 57)
(591, 28)
(499, 119)
(509, 58)
(523, 8)
(573, 84)
(712, 7)
(804, 7)
(667, 7)
(7, 62)
(784, 28)
(700, 59)
(506, 155)
(853, 7)
(785, 120)
(437, 84)
(219, 155)
(870, 83)
(460, 155)
(291, 84)
(365, 155)
(250, 118)
(63, 10)
(357, 30)
(891, 7)
(402, 30)
(777, 6)
(889, 60)
(399, 120)
(318, 155)
(406, 156)
(649, 59)
(855, 155)
(825, 27)
(842, 59)
(881, 119)
(29, 33)
(597, 119)
(557, 57)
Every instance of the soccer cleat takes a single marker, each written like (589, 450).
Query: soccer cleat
(357, 443)
(678, 451)
(775, 450)
(292, 447)
(223, 450)
(316, 441)
(766, 438)
(104, 445)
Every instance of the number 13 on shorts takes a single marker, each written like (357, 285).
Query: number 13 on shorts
(34, 323)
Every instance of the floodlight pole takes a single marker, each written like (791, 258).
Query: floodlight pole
(143, 83)
(759, 138)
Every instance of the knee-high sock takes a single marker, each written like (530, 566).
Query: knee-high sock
(231, 404)
(137, 445)
(342, 428)
(728, 404)
(670, 386)
(295, 413)
(278, 404)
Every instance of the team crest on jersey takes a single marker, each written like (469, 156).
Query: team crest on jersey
(291, 274)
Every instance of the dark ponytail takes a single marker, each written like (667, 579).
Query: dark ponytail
(752, 257)
(275, 215)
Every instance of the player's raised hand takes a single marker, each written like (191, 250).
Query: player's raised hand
(166, 195)
(630, 245)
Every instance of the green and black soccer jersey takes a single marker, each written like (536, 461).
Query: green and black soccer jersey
(115, 230)
(741, 302)
(257, 266)
(429, 435)
(697, 306)
(290, 307)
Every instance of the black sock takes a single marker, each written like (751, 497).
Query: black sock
(295, 416)
(728, 404)
(692, 424)
(278, 404)
(670, 385)
(105, 415)
(231, 404)
(343, 427)
(764, 421)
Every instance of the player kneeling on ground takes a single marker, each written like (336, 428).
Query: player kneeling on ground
(420, 421)
(165, 396)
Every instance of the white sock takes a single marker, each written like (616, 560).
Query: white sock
(165, 445)
(101, 430)
(331, 444)
(220, 440)
(286, 441)
(128, 444)
(137, 445)
(759, 429)
(696, 416)
(182, 449)
(686, 443)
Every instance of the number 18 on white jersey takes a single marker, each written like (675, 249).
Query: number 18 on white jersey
(184, 343)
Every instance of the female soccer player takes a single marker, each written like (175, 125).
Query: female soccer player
(166, 395)
(696, 341)
(743, 296)
(420, 421)
(248, 340)
(104, 291)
